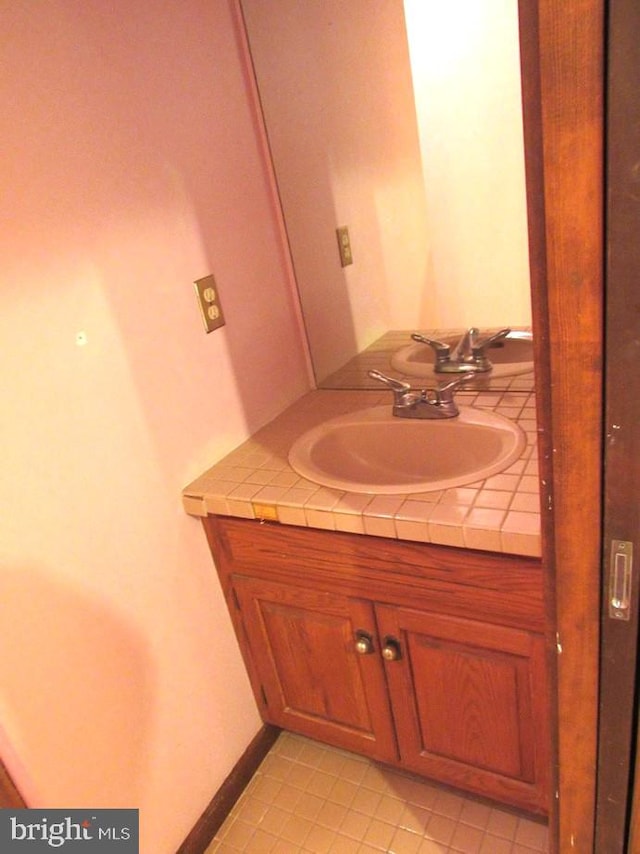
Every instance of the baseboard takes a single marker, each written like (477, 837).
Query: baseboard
(226, 796)
(10, 797)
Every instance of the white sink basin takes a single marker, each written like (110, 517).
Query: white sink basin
(510, 357)
(373, 451)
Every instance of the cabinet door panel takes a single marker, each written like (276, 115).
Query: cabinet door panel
(481, 727)
(465, 706)
(315, 682)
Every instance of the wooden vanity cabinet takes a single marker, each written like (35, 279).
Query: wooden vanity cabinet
(424, 657)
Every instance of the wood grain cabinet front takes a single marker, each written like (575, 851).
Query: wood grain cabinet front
(455, 694)
(469, 703)
(305, 644)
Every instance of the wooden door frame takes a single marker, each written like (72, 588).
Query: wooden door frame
(563, 48)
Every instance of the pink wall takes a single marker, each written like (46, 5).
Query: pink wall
(465, 60)
(130, 167)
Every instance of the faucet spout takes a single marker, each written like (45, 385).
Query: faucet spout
(462, 350)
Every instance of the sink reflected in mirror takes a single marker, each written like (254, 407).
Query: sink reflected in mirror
(371, 451)
(510, 357)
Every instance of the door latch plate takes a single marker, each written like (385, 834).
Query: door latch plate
(620, 579)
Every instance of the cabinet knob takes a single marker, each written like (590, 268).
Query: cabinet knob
(391, 649)
(364, 643)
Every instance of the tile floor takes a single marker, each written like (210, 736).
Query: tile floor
(307, 797)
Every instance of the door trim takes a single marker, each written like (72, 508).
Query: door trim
(562, 45)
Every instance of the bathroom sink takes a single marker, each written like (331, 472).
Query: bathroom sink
(511, 356)
(373, 451)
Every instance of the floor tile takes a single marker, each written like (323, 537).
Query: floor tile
(308, 798)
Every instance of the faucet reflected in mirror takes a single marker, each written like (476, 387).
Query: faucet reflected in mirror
(469, 354)
(402, 121)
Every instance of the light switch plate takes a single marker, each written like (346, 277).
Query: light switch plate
(209, 302)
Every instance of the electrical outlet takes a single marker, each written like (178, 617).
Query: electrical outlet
(209, 302)
(344, 245)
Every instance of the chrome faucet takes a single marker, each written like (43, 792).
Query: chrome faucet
(468, 356)
(423, 403)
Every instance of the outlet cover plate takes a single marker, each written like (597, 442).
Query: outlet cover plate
(344, 245)
(209, 302)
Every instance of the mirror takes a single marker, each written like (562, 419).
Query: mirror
(402, 122)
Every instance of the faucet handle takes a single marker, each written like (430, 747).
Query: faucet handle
(479, 346)
(397, 386)
(446, 389)
(441, 349)
(479, 349)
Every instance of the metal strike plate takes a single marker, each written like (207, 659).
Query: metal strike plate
(620, 579)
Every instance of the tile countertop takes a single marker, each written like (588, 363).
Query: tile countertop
(255, 481)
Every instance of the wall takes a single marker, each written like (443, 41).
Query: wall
(465, 63)
(130, 167)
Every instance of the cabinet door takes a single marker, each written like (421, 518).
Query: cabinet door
(469, 703)
(304, 645)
